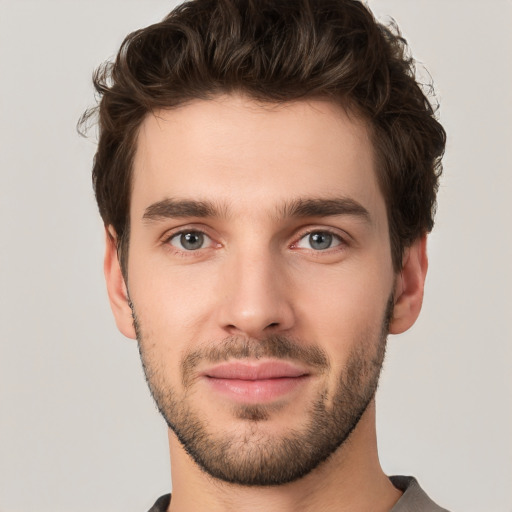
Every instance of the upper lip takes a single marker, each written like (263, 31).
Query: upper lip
(260, 370)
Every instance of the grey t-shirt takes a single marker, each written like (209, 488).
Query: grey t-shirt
(414, 498)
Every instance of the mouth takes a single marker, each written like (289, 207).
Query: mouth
(258, 382)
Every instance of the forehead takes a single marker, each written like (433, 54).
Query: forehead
(244, 154)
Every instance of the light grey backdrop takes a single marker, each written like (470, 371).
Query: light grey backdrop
(78, 430)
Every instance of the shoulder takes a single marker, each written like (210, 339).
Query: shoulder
(161, 504)
(414, 498)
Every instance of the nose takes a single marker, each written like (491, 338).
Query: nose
(257, 298)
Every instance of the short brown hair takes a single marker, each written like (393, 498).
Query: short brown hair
(275, 51)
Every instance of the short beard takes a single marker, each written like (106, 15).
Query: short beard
(254, 458)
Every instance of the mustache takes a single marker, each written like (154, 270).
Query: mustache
(237, 347)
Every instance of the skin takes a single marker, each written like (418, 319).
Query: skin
(258, 274)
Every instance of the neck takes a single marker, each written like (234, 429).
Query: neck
(351, 479)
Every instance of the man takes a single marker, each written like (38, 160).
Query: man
(267, 174)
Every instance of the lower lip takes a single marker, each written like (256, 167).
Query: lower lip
(256, 391)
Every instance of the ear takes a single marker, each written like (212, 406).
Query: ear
(409, 287)
(116, 287)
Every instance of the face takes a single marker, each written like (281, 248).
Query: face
(260, 279)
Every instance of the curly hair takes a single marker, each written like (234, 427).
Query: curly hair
(274, 51)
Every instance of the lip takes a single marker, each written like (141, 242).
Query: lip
(258, 382)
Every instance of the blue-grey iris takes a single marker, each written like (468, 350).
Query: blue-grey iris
(320, 240)
(192, 241)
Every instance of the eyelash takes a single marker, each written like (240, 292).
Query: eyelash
(166, 241)
(342, 241)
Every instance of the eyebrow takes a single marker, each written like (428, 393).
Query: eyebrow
(302, 207)
(175, 208)
(320, 207)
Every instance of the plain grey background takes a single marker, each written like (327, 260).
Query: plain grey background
(78, 430)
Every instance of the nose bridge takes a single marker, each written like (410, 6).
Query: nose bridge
(256, 299)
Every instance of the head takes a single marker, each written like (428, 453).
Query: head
(274, 52)
(267, 173)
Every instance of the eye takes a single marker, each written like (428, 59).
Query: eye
(319, 241)
(190, 240)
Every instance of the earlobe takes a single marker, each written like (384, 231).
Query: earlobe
(409, 287)
(116, 287)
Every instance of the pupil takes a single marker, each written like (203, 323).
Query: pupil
(192, 241)
(320, 240)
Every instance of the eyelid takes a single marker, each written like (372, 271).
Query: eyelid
(183, 228)
(342, 237)
(176, 236)
(166, 238)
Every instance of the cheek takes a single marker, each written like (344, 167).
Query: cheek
(350, 289)
(340, 308)
(172, 302)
